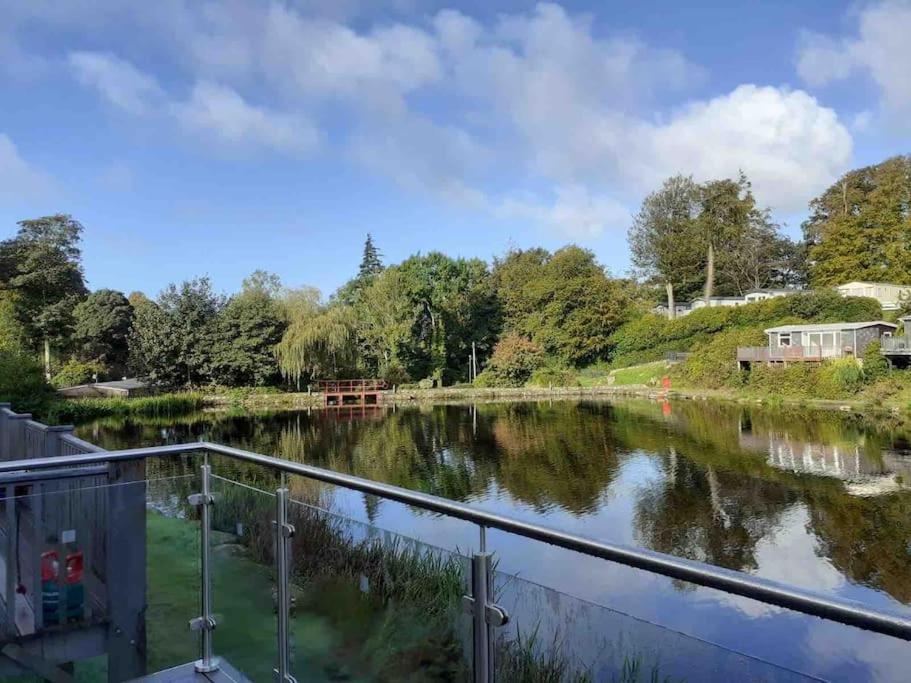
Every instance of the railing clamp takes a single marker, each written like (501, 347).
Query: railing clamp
(200, 499)
(287, 530)
(203, 624)
(495, 615)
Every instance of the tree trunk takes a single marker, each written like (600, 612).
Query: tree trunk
(47, 359)
(709, 273)
(671, 312)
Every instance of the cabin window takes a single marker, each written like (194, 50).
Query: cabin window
(824, 340)
(784, 339)
(887, 333)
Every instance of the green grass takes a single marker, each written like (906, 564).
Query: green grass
(649, 373)
(84, 409)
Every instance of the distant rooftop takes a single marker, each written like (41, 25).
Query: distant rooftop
(829, 327)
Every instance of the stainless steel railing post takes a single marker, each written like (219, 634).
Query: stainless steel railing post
(284, 532)
(205, 622)
(486, 616)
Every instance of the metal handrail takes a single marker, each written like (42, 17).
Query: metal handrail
(729, 581)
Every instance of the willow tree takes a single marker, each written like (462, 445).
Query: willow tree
(320, 341)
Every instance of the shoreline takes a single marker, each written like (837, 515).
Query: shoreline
(468, 395)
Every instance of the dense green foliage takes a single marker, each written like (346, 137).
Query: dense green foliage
(649, 337)
(75, 372)
(564, 302)
(514, 360)
(549, 315)
(712, 364)
(22, 382)
(102, 329)
(712, 236)
(859, 227)
(246, 333)
(41, 265)
(875, 364)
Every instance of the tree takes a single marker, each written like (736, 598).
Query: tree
(454, 305)
(42, 264)
(371, 266)
(154, 348)
(563, 302)
(371, 262)
(385, 317)
(13, 337)
(729, 222)
(318, 342)
(665, 238)
(247, 332)
(513, 361)
(860, 227)
(173, 338)
(103, 323)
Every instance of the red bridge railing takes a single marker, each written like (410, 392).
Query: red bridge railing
(350, 386)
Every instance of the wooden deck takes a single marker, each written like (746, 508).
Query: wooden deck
(186, 673)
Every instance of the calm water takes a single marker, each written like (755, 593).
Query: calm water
(820, 500)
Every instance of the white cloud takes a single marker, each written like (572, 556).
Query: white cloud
(574, 212)
(118, 81)
(214, 110)
(471, 111)
(222, 113)
(880, 50)
(19, 180)
(789, 146)
(321, 57)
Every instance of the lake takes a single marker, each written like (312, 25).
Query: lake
(821, 500)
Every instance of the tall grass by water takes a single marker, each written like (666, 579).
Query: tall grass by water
(163, 406)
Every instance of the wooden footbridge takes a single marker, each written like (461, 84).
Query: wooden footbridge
(346, 392)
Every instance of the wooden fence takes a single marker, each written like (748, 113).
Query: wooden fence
(66, 525)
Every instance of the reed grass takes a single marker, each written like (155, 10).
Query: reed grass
(163, 406)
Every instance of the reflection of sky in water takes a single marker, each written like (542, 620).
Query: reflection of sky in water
(729, 622)
(647, 467)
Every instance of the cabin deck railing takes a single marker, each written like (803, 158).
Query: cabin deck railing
(896, 345)
(766, 354)
(71, 458)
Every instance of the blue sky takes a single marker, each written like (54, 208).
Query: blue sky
(197, 138)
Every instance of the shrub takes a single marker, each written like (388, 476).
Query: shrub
(554, 376)
(22, 383)
(514, 360)
(840, 378)
(875, 364)
(75, 372)
(649, 337)
(395, 374)
(797, 381)
(714, 363)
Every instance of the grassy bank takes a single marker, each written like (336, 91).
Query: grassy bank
(60, 411)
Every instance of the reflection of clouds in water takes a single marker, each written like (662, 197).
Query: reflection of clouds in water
(802, 566)
(789, 555)
(847, 654)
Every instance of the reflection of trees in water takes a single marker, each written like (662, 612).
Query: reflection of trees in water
(865, 538)
(709, 515)
(719, 496)
(560, 455)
